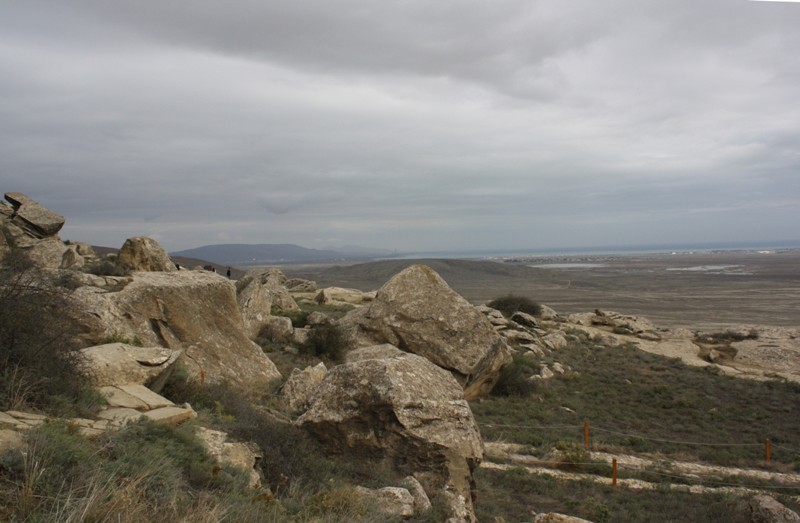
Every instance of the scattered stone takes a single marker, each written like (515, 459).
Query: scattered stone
(519, 336)
(555, 341)
(558, 368)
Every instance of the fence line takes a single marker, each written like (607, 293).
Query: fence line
(638, 436)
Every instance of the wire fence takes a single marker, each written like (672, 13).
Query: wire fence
(688, 480)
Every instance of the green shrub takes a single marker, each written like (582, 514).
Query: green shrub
(515, 379)
(327, 340)
(510, 304)
(41, 366)
(728, 336)
(108, 266)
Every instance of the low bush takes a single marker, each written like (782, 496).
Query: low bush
(515, 377)
(41, 367)
(327, 340)
(510, 304)
(108, 266)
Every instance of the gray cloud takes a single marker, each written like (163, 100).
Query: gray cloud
(409, 125)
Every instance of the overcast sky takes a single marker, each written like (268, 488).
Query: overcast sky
(409, 125)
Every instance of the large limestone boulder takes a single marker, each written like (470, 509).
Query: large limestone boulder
(145, 254)
(36, 220)
(182, 310)
(259, 292)
(418, 312)
(27, 226)
(406, 410)
(122, 364)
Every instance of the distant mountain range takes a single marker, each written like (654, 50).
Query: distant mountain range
(248, 254)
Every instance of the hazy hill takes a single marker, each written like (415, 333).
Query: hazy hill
(254, 254)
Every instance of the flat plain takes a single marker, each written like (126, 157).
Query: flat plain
(698, 290)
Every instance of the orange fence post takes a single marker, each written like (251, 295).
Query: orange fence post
(586, 433)
(614, 472)
(768, 448)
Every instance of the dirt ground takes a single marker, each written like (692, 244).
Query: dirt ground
(708, 290)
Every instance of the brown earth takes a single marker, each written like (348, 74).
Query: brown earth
(710, 290)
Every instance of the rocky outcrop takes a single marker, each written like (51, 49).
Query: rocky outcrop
(181, 310)
(28, 226)
(120, 363)
(418, 312)
(36, 220)
(258, 293)
(145, 254)
(400, 407)
(301, 385)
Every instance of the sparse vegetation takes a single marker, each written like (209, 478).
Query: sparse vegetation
(510, 304)
(40, 365)
(728, 336)
(515, 379)
(107, 266)
(632, 398)
(513, 494)
(327, 340)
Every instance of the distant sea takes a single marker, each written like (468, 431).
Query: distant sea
(597, 250)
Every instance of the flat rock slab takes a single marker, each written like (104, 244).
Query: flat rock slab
(116, 397)
(171, 415)
(142, 393)
(119, 415)
(10, 421)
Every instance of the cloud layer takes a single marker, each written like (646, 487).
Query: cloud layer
(412, 125)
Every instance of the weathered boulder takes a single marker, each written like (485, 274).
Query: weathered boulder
(765, 509)
(141, 253)
(36, 220)
(182, 310)
(418, 312)
(278, 329)
(300, 387)
(242, 455)
(525, 319)
(403, 409)
(28, 226)
(255, 304)
(121, 364)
